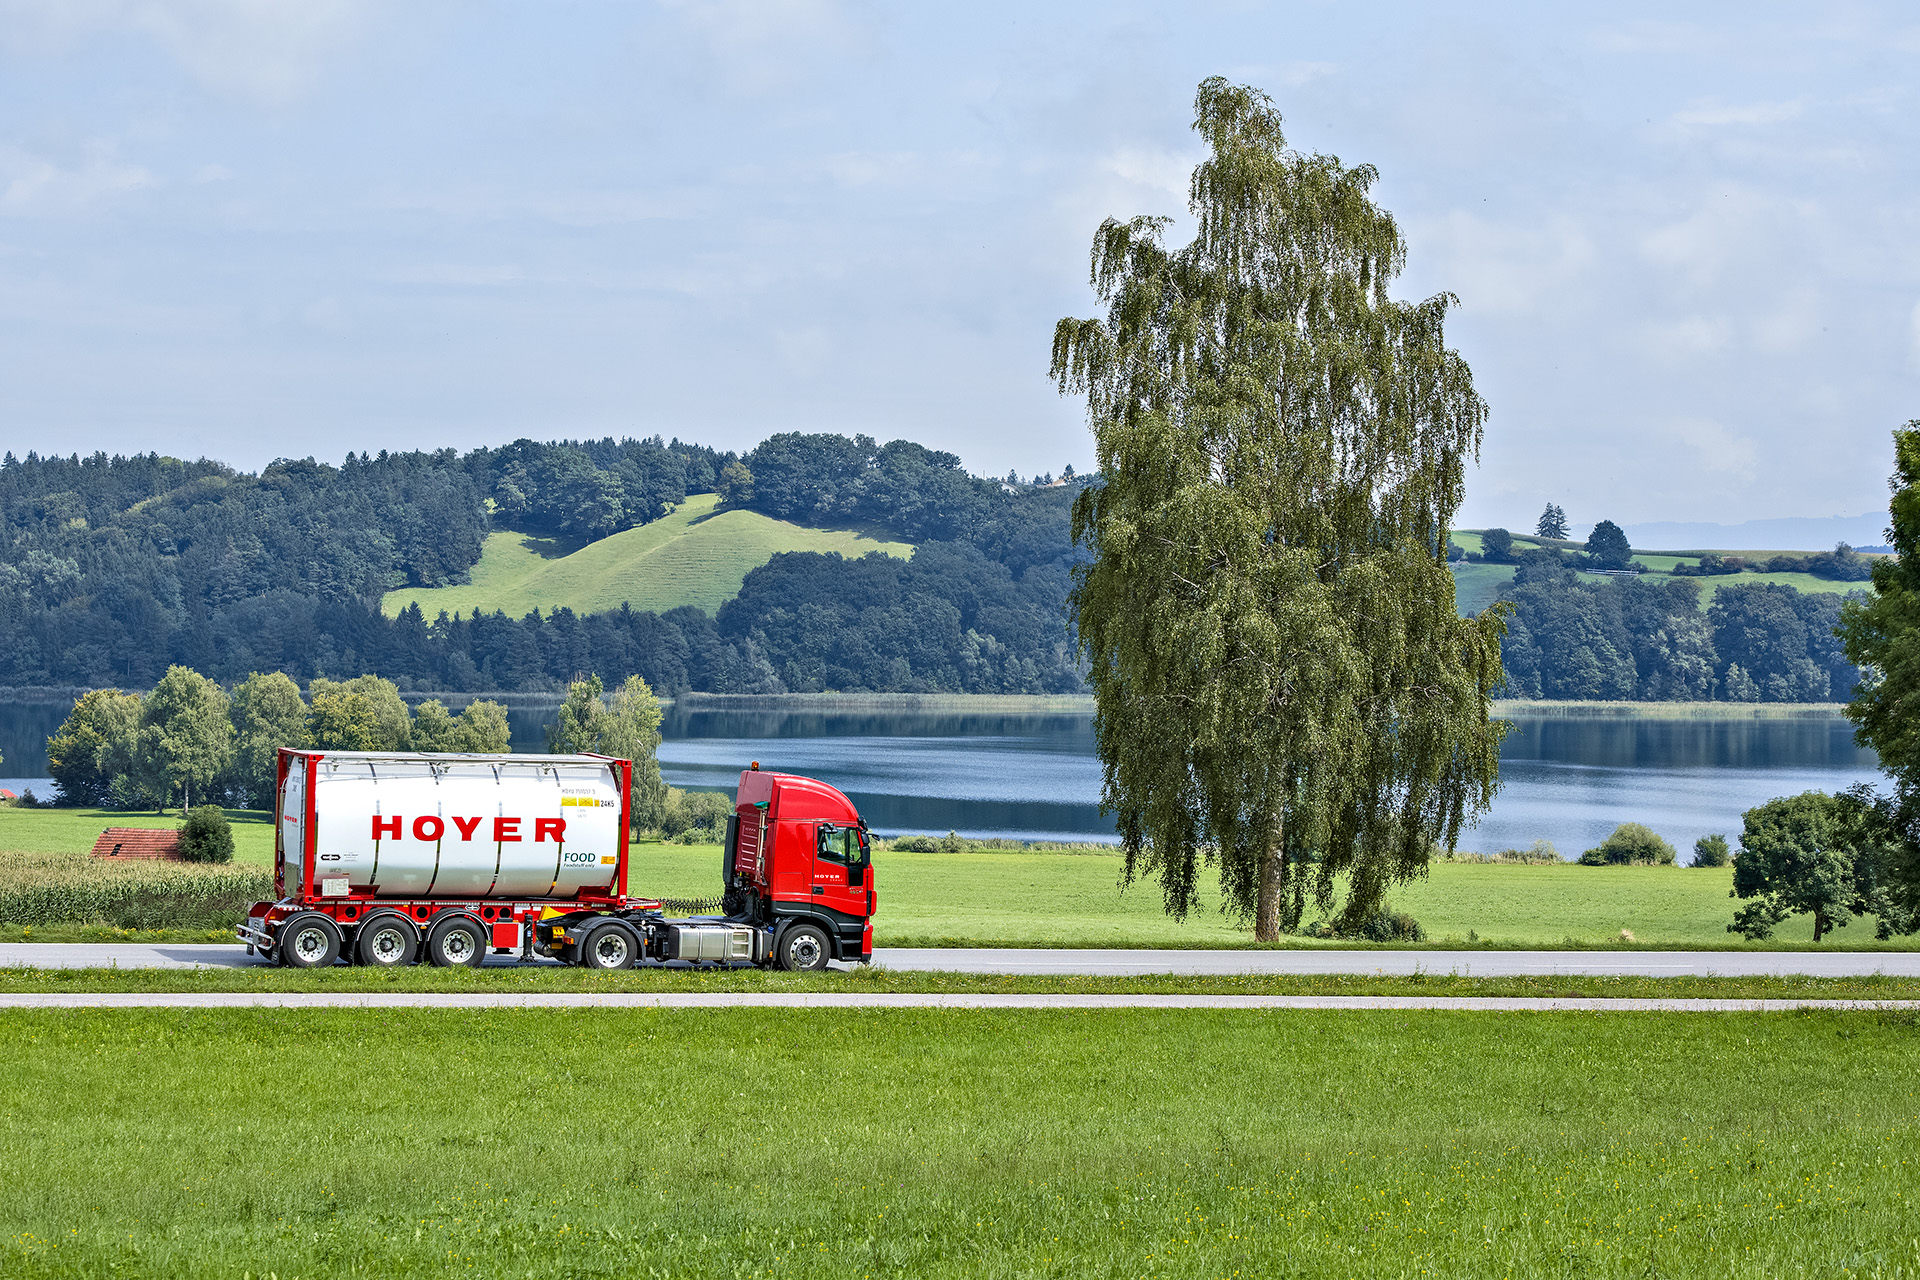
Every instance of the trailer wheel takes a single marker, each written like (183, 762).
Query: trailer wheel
(803, 949)
(386, 942)
(457, 941)
(608, 947)
(308, 941)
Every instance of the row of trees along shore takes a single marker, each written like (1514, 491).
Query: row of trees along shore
(190, 741)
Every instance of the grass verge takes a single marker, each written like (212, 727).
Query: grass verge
(943, 1143)
(554, 979)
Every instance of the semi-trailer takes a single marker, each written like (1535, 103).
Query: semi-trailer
(390, 858)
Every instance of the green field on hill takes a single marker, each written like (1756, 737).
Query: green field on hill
(940, 1142)
(695, 556)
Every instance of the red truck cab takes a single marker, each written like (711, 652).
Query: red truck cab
(797, 862)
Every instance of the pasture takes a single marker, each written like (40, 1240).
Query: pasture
(945, 1143)
(1075, 899)
(695, 555)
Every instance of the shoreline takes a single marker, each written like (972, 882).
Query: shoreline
(1057, 703)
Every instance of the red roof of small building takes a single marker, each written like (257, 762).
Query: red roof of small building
(137, 842)
(6, 794)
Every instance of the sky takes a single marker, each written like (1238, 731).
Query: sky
(1683, 238)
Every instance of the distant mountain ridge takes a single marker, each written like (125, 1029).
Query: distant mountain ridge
(1792, 533)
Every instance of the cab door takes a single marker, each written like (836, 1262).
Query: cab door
(840, 869)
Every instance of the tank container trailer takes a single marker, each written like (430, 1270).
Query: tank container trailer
(389, 858)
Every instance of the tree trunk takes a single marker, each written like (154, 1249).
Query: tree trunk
(1819, 924)
(1273, 887)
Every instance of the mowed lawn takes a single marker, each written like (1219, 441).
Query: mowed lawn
(1042, 899)
(695, 555)
(1075, 899)
(957, 1143)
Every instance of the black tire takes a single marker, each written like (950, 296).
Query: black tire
(455, 941)
(386, 942)
(608, 947)
(308, 940)
(804, 949)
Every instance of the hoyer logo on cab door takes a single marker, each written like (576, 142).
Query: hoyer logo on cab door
(430, 828)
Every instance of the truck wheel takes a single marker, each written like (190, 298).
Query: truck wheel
(308, 941)
(803, 949)
(608, 947)
(388, 942)
(455, 942)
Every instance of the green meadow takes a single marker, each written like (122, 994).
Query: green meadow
(1076, 899)
(696, 555)
(929, 1143)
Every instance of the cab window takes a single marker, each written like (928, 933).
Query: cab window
(844, 845)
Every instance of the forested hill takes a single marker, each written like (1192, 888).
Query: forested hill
(113, 568)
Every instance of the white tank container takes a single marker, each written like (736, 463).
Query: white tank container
(409, 825)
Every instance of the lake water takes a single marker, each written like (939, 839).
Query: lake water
(1035, 777)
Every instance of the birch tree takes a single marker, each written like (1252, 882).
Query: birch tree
(1283, 689)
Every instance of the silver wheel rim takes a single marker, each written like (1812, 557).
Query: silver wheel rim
(804, 951)
(457, 946)
(610, 949)
(388, 945)
(310, 943)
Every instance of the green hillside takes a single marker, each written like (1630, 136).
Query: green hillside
(695, 555)
(1478, 585)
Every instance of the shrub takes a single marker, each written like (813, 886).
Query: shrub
(694, 817)
(917, 844)
(1388, 925)
(952, 843)
(1630, 845)
(205, 836)
(1711, 851)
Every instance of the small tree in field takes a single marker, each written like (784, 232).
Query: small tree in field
(1711, 851)
(206, 836)
(1283, 687)
(1608, 546)
(1496, 546)
(1552, 523)
(1812, 854)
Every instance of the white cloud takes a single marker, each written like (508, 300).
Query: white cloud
(1168, 172)
(33, 186)
(1501, 268)
(1687, 338)
(268, 50)
(1719, 450)
(1709, 114)
(803, 351)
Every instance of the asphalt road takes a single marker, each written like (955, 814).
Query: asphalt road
(880, 1000)
(1485, 964)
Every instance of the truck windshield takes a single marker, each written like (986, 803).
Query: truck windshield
(846, 845)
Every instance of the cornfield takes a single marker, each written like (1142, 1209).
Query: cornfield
(65, 888)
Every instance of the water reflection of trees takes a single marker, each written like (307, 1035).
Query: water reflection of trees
(1687, 743)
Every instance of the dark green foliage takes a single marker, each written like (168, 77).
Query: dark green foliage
(1388, 925)
(1284, 691)
(1608, 546)
(1635, 638)
(1630, 845)
(1842, 564)
(917, 844)
(1496, 546)
(205, 836)
(1710, 567)
(1552, 523)
(1711, 851)
(1830, 856)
